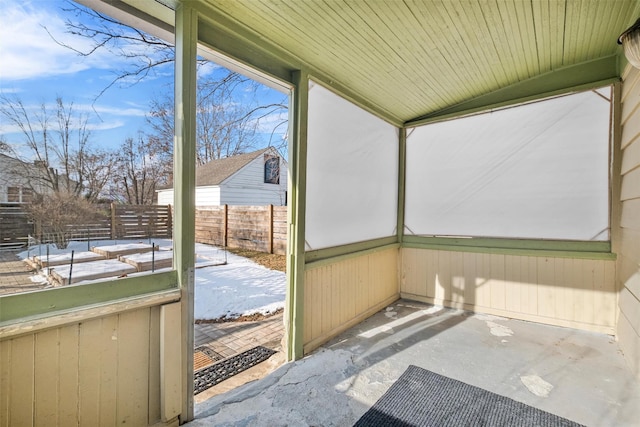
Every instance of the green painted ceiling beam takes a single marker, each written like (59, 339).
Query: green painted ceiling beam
(582, 76)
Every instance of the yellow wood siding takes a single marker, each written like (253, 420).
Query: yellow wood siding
(339, 295)
(628, 277)
(102, 371)
(577, 293)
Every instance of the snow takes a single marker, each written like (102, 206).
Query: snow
(124, 247)
(149, 256)
(238, 288)
(65, 258)
(94, 270)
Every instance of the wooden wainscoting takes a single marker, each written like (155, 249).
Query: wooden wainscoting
(341, 294)
(578, 293)
(102, 371)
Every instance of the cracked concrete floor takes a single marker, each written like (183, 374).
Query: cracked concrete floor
(575, 374)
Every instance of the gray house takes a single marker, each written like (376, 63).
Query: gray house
(18, 180)
(251, 179)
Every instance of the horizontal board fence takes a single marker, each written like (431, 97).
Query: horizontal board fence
(258, 228)
(140, 221)
(15, 225)
(113, 222)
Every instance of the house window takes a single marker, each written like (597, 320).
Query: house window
(271, 169)
(19, 195)
(27, 195)
(13, 194)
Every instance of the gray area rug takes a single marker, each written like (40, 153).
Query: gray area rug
(424, 398)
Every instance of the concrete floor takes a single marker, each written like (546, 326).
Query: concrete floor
(577, 375)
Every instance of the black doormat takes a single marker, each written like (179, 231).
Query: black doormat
(214, 374)
(426, 399)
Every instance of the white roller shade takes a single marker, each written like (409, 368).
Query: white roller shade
(537, 171)
(352, 173)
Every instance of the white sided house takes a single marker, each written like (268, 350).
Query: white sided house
(252, 179)
(18, 180)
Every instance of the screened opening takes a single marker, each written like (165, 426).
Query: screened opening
(535, 171)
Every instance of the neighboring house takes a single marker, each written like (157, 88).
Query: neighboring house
(16, 185)
(251, 179)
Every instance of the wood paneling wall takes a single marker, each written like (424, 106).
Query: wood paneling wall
(578, 293)
(341, 294)
(628, 277)
(104, 371)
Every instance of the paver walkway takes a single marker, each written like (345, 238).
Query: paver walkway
(15, 275)
(217, 341)
(230, 338)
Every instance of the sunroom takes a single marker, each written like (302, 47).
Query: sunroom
(475, 155)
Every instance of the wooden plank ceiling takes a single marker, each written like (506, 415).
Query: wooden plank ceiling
(414, 57)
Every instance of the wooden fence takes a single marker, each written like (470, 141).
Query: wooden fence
(259, 228)
(115, 222)
(15, 225)
(140, 221)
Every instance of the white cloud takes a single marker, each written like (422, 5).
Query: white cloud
(28, 51)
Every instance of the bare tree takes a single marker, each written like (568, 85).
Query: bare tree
(139, 172)
(121, 40)
(225, 125)
(58, 215)
(57, 154)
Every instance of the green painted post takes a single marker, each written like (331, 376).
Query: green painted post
(402, 176)
(296, 214)
(186, 31)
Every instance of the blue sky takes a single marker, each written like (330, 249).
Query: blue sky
(37, 70)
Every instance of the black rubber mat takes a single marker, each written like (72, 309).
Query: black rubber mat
(208, 377)
(426, 399)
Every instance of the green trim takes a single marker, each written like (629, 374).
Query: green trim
(545, 248)
(580, 77)
(184, 166)
(296, 213)
(51, 301)
(622, 62)
(337, 251)
(337, 258)
(402, 179)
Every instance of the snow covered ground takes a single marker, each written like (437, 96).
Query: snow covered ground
(238, 288)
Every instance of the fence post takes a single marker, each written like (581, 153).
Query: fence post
(113, 221)
(169, 222)
(270, 237)
(225, 225)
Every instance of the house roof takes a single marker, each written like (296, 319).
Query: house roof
(216, 171)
